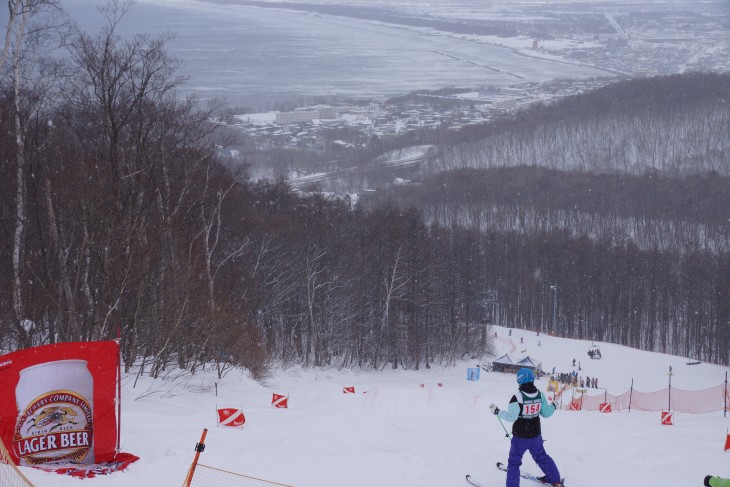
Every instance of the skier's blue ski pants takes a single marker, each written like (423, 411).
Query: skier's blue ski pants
(537, 450)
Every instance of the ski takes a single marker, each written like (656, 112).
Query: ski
(472, 481)
(526, 475)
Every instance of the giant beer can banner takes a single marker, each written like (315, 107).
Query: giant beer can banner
(58, 403)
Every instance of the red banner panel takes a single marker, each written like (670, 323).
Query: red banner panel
(121, 461)
(59, 403)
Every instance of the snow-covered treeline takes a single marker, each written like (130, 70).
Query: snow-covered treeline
(678, 124)
(651, 211)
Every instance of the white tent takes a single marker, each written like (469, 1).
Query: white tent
(506, 363)
(530, 363)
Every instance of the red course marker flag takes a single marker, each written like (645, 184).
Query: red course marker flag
(667, 418)
(232, 417)
(605, 407)
(279, 401)
(348, 390)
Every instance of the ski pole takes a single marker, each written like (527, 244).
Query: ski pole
(506, 434)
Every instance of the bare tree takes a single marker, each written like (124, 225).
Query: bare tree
(34, 27)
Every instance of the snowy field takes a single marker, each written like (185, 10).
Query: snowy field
(392, 432)
(251, 55)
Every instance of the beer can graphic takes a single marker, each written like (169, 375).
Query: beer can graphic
(55, 413)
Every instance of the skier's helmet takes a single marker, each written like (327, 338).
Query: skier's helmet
(525, 375)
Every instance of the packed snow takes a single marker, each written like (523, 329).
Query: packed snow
(393, 432)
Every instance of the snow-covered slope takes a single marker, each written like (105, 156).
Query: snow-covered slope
(392, 432)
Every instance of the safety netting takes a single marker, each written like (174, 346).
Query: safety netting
(206, 476)
(10, 476)
(670, 398)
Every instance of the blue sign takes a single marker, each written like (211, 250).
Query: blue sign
(472, 373)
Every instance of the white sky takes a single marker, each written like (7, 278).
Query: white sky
(398, 434)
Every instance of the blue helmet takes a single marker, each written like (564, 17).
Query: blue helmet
(525, 375)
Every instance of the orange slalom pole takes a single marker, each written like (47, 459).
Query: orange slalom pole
(199, 447)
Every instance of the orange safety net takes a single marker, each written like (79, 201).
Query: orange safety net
(679, 400)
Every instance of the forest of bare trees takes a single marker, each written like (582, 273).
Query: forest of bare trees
(118, 219)
(678, 124)
(112, 221)
(651, 211)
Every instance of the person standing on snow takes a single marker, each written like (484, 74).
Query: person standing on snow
(711, 481)
(525, 409)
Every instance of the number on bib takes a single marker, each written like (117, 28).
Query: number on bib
(532, 409)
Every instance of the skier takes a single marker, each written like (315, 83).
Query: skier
(525, 409)
(712, 481)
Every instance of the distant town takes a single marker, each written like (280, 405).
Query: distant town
(623, 39)
(623, 44)
(450, 109)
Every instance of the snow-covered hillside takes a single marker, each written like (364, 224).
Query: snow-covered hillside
(393, 432)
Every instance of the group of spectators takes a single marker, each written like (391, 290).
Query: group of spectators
(572, 378)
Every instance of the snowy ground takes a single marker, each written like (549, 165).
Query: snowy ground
(392, 432)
